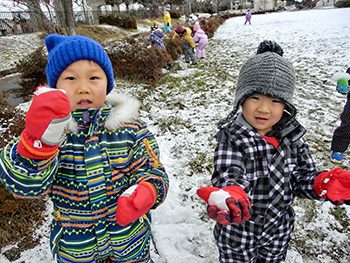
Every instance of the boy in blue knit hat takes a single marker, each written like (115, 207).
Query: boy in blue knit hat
(98, 164)
(261, 163)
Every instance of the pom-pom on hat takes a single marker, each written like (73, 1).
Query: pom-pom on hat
(154, 26)
(65, 50)
(179, 29)
(196, 27)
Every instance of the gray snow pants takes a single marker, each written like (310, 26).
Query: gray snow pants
(188, 51)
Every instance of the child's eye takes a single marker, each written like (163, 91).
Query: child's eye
(94, 78)
(255, 98)
(276, 101)
(70, 78)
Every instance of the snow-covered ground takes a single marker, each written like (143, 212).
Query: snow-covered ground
(183, 113)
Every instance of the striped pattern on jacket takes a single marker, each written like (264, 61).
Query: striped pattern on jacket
(107, 151)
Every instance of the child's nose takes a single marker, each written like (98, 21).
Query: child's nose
(263, 106)
(84, 87)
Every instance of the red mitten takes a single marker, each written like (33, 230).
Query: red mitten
(334, 186)
(47, 121)
(227, 205)
(135, 202)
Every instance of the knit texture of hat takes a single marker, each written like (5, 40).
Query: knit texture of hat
(267, 74)
(65, 50)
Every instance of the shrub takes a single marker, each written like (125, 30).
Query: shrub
(18, 218)
(135, 59)
(175, 14)
(32, 69)
(122, 20)
(173, 47)
(343, 3)
(211, 24)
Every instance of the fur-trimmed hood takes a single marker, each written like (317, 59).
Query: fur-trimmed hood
(123, 109)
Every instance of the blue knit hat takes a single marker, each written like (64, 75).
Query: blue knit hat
(65, 50)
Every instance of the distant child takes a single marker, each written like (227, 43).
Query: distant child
(188, 45)
(154, 26)
(167, 21)
(341, 135)
(248, 16)
(261, 163)
(201, 38)
(98, 164)
(156, 38)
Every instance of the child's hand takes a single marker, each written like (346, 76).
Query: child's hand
(47, 122)
(228, 205)
(334, 186)
(135, 202)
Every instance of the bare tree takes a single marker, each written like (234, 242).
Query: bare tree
(63, 12)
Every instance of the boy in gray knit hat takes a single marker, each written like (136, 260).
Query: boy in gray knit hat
(261, 163)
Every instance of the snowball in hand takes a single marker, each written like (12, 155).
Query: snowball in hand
(218, 198)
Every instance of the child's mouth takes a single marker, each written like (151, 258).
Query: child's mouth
(84, 103)
(260, 119)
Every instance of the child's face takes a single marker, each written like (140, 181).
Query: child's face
(262, 112)
(85, 83)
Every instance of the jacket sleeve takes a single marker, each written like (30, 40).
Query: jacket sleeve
(305, 173)
(229, 168)
(26, 178)
(196, 38)
(146, 152)
(189, 39)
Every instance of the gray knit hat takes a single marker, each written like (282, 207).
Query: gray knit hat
(267, 73)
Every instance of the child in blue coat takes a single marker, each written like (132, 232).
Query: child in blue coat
(88, 152)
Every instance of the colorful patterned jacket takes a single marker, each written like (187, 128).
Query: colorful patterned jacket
(156, 38)
(107, 151)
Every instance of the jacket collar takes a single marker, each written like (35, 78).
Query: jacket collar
(118, 109)
(293, 130)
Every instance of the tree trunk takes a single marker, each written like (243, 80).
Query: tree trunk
(64, 14)
(68, 10)
(39, 19)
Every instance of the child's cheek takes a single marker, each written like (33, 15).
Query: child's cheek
(72, 105)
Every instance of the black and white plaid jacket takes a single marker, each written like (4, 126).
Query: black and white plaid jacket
(272, 178)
